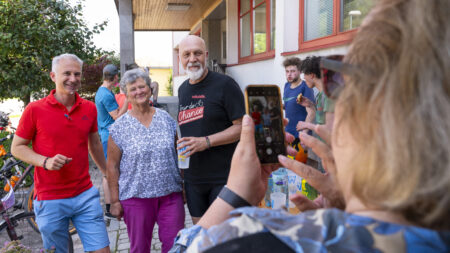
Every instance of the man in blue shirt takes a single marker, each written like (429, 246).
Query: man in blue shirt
(293, 87)
(107, 112)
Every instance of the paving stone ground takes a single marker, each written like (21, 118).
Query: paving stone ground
(117, 231)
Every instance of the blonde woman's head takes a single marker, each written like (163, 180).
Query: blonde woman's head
(397, 110)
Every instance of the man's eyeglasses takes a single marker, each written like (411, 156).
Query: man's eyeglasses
(332, 69)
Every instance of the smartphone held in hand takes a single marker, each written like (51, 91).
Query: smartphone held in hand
(263, 104)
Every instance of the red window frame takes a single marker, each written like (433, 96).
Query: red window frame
(270, 53)
(335, 39)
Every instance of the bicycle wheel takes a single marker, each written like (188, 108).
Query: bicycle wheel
(29, 208)
(23, 185)
(26, 234)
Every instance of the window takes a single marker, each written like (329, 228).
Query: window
(325, 23)
(256, 29)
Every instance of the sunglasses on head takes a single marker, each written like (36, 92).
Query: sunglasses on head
(333, 70)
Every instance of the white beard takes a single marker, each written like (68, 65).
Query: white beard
(195, 75)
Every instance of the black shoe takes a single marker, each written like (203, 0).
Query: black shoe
(109, 215)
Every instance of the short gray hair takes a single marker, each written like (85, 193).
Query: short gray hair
(131, 76)
(56, 60)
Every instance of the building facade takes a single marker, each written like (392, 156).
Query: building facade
(249, 39)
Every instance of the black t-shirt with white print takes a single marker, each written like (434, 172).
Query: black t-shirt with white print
(206, 108)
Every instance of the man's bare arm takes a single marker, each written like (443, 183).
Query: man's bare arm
(113, 172)
(115, 114)
(96, 151)
(227, 136)
(20, 149)
(198, 144)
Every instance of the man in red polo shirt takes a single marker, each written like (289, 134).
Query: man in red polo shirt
(62, 128)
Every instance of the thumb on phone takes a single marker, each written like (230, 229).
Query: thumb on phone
(248, 133)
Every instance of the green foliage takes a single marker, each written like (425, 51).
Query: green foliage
(169, 85)
(363, 6)
(93, 75)
(14, 247)
(6, 144)
(17, 247)
(260, 43)
(32, 32)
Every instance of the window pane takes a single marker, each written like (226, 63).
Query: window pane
(256, 2)
(245, 35)
(318, 19)
(259, 29)
(272, 24)
(353, 12)
(245, 6)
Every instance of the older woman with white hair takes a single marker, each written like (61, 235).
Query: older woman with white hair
(142, 171)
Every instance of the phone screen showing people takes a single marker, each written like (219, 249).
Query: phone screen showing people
(264, 106)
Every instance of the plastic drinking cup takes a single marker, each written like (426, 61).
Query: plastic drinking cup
(183, 161)
(278, 200)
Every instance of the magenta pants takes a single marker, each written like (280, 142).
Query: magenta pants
(140, 216)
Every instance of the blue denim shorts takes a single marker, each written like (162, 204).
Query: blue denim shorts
(86, 214)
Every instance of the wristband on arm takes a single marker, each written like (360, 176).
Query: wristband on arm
(232, 198)
(208, 143)
(45, 163)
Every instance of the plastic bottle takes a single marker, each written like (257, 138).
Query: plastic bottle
(307, 190)
(294, 186)
(302, 154)
(268, 192)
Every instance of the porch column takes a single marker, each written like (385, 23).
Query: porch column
(126, 34)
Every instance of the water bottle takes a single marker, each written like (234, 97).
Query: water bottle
(280, 194)
(294, 185)
(268, 191)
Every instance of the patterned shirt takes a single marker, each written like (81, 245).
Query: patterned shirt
(323, 230)
(148, 167)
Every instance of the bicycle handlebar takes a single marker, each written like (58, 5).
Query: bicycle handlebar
(9, 136)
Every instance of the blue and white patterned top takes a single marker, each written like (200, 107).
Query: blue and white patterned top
(323, 230)
(148, 167)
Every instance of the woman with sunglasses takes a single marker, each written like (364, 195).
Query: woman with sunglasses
(388, 168)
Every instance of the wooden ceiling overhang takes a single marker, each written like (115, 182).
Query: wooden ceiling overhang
(152, 15)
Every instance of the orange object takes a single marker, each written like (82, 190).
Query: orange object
(13, 181)
(2, 151)
(302, 155)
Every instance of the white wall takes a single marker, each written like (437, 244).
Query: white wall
(269, 71)
(232, 32)
(288, 19)
(177, 81)
(272, 71)
(178, 37)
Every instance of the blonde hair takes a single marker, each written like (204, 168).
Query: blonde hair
(398, 110)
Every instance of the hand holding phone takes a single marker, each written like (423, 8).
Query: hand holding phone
(263, 104)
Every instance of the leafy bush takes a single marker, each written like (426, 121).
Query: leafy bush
(6, 144)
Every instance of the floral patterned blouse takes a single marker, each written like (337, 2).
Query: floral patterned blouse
(148, 167)
(323, 230)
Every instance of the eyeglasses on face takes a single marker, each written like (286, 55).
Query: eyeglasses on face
(333, 70)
